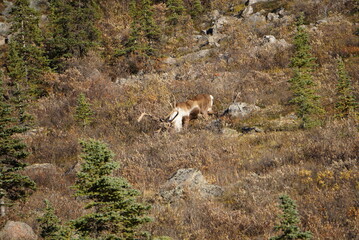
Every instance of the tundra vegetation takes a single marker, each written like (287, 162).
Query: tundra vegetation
(87, 70)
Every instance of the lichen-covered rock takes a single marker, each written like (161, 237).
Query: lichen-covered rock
(240, 110)
(17, 231)
(188, 180)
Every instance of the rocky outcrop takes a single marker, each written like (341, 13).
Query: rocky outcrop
(240, 110)
(270, 40)
(188, 57)
(248, 11)
(42, 171)
(188, 180)
(17, 231)
(41, 167)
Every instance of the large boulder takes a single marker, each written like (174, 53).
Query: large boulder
(271, 41)
(37, 167)
(240, 110)
(188, 180)
(17, 231)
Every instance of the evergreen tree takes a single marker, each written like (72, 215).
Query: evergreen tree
(148, 24)
(144, 30)
(116, 214)
(346, 104)
(302, 85)
(289, 220)
(197, 9)
(73, 30)
(176, 9)
(19, 89)
(50, 225)
(13, 185)
(84, 114)
(26, 60)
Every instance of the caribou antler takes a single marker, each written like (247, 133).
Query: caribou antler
(164, 125)
(147, 114)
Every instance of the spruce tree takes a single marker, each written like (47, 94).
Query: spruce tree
(196, 9)
(50, 225)
(176, 9)
(289, 220)
(302, 85)
(346, 104)
(84, 114)
(115, 213)
(13, 185)
(73, 30)
(26, 60)
(18, 84)
(147, 22)
(145, 33)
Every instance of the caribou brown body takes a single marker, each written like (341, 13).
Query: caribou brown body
(184, 111)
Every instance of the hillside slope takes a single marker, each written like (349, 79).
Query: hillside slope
(236, 52)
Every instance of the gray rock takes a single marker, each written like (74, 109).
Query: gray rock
(248, 11)
(39, 4)
(220, 23)
(170, 60)
(196, 55)
(203, 41)
(4, 28)
(197, 37)
(95, 74)
(8, 8)
(281, 13)
(17, 231)
(240, 110)
(215, 126)
(229, 132)
(255, 18)
(271, 42)
(41, 167)
(215, 39)
(188, 180)
(215, 15)
(251, 130)
(322, 21)
(272, 17)
(2, 40)
(270, 39)
(251, 2)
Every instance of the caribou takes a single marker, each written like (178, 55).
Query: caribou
(190, 109)
(183, 112)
